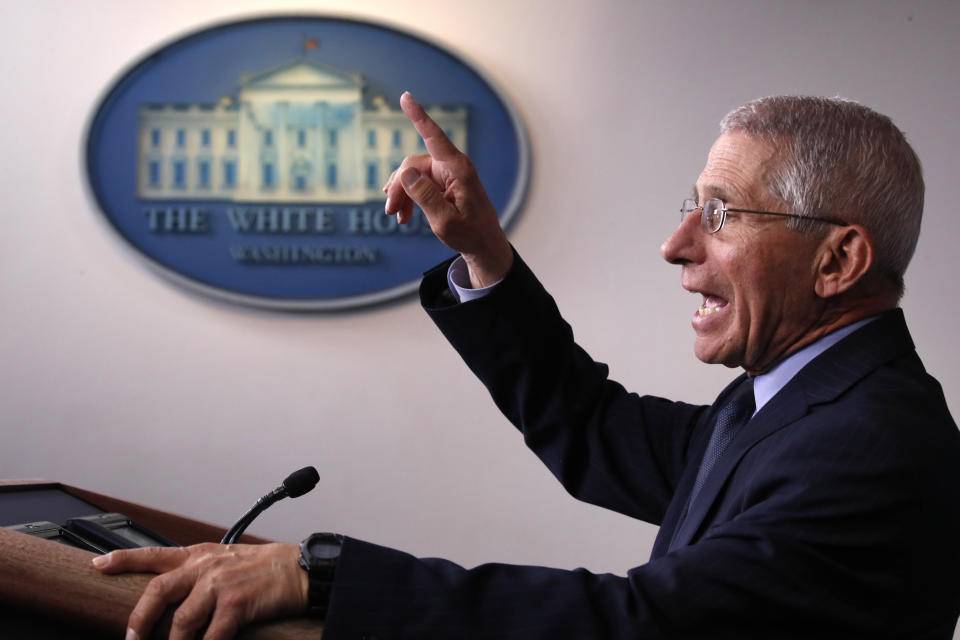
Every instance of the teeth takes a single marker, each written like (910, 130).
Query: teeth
(710, 305)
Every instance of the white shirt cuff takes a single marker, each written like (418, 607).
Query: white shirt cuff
(458, 278)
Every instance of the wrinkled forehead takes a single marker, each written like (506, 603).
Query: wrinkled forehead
(736, 168)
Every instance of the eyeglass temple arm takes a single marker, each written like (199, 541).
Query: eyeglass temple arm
(787, 215)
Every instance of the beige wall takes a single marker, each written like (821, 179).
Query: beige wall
(115, 380)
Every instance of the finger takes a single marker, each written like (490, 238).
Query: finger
(425, 193)
(224, 624)
(161, 592)
(405, 214)
(397, 199)
(390, 180)
(395, 194)
(152, 559)
(437, 143)
(194, 612)
(405, 203)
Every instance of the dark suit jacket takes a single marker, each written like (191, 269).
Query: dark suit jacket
(835, 513)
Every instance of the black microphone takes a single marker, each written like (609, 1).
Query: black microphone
(295, 485)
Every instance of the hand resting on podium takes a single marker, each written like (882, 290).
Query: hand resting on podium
(222, 587)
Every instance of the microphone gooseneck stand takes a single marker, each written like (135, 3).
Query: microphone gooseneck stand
(294, 486)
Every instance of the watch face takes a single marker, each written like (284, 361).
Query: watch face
(323, 548)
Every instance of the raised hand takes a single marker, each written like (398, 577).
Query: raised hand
(445, 184)
(222, 587)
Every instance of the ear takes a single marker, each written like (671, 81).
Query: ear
(846, 256)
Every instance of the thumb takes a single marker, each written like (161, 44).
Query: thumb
(424, 192)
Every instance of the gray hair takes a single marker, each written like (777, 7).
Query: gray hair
(838, 158)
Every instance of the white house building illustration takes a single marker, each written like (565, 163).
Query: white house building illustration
(302, 132)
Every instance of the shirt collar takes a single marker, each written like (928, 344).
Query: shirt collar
(767, 385)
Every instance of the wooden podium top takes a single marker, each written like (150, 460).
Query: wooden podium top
(42, 578)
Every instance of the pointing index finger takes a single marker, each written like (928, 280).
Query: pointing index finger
(437, 143)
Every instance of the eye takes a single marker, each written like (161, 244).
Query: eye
(712, 215)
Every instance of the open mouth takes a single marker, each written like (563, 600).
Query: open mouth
(710, 304)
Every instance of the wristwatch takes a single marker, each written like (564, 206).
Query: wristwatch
(319, 553)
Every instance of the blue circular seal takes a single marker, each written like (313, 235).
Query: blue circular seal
(246, 160)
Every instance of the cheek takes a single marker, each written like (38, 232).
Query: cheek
(759, 292)
(765, 290)
(775, 295)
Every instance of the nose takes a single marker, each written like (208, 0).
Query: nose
(685, 244)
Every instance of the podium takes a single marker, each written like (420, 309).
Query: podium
(51, 590)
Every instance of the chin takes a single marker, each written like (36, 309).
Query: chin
(709, 354)
(705, 356)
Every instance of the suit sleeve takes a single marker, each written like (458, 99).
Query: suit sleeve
(608, 447)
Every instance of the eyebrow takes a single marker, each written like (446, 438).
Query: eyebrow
(713, 191)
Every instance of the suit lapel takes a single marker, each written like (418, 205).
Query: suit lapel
(822, 380)
(782, 410)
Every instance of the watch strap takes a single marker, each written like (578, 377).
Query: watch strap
(321, 572)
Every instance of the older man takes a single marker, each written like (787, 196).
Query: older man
(818, 497)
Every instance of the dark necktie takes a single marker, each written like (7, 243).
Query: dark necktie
(731, 417)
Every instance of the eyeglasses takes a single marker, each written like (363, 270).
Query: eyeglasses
(714, 214)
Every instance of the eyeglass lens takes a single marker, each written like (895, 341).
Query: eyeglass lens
(711, 215)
